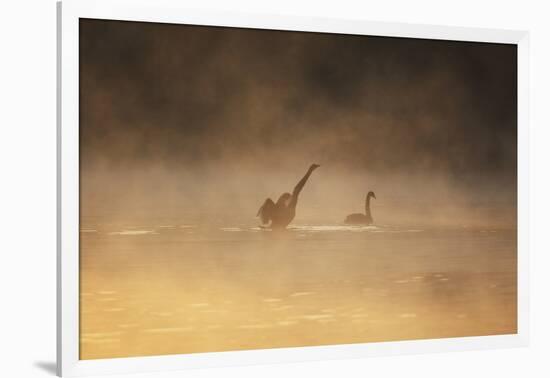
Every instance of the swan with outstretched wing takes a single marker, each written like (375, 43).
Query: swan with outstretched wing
(280, 214)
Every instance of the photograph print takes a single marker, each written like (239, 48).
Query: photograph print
(246, 189)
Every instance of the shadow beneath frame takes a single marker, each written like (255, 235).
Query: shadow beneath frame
(47, 366)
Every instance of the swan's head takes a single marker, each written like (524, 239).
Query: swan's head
(371, 194)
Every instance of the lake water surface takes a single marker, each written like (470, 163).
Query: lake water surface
(171, 287)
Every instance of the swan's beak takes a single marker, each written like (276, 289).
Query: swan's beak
(373, 195)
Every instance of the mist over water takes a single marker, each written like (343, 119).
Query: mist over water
(185, 131)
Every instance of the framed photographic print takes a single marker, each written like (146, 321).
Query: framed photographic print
(239, 188)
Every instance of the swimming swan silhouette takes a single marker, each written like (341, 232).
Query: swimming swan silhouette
(281, 213)
(358, 218)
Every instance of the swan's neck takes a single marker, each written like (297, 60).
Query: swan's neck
(367, 206)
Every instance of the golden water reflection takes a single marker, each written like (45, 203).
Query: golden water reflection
(184, 288)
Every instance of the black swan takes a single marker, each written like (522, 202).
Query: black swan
(359, 218)
(281, 213)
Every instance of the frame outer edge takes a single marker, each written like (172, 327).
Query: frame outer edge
(59, 297)
(67, 193)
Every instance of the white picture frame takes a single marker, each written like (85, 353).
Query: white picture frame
(169, 11)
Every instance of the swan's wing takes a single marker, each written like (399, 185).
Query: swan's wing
(266, 211)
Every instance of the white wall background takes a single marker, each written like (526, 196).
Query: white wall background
(27, 187)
